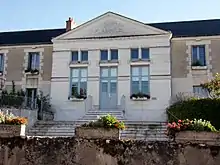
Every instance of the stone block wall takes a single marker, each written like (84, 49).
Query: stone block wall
(72, 151)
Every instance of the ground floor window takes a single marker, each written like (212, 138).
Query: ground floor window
(140, 80)
(78, 83)
(201, 92)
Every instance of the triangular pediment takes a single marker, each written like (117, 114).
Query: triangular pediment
(110, 25)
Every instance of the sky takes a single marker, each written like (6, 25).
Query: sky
(46, 14)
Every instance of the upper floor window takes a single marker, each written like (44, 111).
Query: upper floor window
(78, 83)
(198, 55)
(140, 80)
(104, 55)
(34, 61)
(75, 56)
(134, 54)
(84, 55)
(199, 91)
(1, 63)
(145, 54)
(114, 54)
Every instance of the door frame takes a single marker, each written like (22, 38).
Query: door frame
(109, 79)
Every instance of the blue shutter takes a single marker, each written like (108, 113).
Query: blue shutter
(114, 54)
(202, 55)
(134, 54)
(145, 53)
(75, 56)
(104, 55)
(84, 55)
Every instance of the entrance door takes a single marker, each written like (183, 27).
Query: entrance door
(31, 97)
(108, 88)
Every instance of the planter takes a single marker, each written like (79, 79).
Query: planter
(139, 98)
(97, 133)
(12, 130)
(211, 138)
(76, 99)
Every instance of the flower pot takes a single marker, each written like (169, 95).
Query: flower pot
(211, 138)
(96, 133)
(12, 130)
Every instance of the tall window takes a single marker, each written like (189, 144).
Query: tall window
(104, 55)
(134, 54)
(198, 55)
(79, 82)
(198, 90)
(34, 60)
(140, 80)
(114, 54)
(1, 63)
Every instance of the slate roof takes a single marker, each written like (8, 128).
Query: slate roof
(179, 29)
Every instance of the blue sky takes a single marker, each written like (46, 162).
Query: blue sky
(41, 14)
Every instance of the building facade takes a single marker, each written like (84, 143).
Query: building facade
(112, 63)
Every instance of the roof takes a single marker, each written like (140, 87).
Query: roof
(178, 29)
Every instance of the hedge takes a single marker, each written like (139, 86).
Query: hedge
(206, 109)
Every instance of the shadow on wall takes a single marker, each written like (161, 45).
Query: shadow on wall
(71, 151)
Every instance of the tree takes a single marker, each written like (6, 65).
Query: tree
(213, 86)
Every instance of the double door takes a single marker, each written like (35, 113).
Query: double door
(108, 88)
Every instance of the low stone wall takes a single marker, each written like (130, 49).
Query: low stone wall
(71, 151)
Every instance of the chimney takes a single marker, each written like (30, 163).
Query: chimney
(69, 24)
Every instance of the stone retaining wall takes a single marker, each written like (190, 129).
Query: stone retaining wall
(72, 151)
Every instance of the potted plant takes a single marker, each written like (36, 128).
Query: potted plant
(12, 126)
(196, 63)
(78, 96)
(32, 71)
(140, 97)
(193, 130)
(106, 127)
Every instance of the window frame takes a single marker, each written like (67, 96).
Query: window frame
(198, 55)
(32, 60)
(140, 76)
(79, 77)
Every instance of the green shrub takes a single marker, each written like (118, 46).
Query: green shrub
(206, 109)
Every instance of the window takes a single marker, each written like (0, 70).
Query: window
(75, 56)
(34, 61)
(140, 80)
(198, 55)
(79, 82)
(199, 91)
(84, 56)
(104, 55)
(134, 54)
(1, 63)
(114, 54)
(145, 54)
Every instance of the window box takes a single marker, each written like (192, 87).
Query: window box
(12, 130)
(76, 99)
(192, 136)
(139, 97)
(32, 71)
(97, 133)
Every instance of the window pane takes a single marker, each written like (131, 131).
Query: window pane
(104, 72)
(37, 61)
(198, 90)
(134, 54)
(145, 71)
(135, 87)
(75, 80)
(105, 87)
(202, 55)
(113, 72)
(104, 55)
(83, 72)
(83, 87)
(1, 62)
(144, 87)
(84, 55)
(113, 86)
(135, 71)
(83, 80)
(145, 78)
(75, 56)
(74, 89)
(114, 54)
(75, 72)
(194, 55)
(135, 78)
(145, 53)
